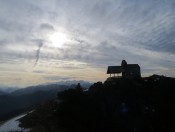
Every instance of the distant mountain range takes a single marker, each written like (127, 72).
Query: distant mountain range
(44, 87)
(17, 100)
(83, 83)
(6, 90)
(2, 93)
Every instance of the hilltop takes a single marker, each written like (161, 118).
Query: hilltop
(124, 105)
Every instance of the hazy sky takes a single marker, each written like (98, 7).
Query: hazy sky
(53, 40)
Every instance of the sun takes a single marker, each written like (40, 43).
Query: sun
(58, 39)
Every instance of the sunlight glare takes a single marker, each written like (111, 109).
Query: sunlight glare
(58, 39)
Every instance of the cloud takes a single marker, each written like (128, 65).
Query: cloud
(47, 27)
(39, 71)
(40, 44)
(58, 78)
(100, 33)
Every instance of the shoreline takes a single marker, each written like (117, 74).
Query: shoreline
(13, 123)
(2, 122)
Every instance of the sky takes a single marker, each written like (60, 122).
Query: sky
(45, 41)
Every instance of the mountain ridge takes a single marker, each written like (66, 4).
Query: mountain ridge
(142, 104)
